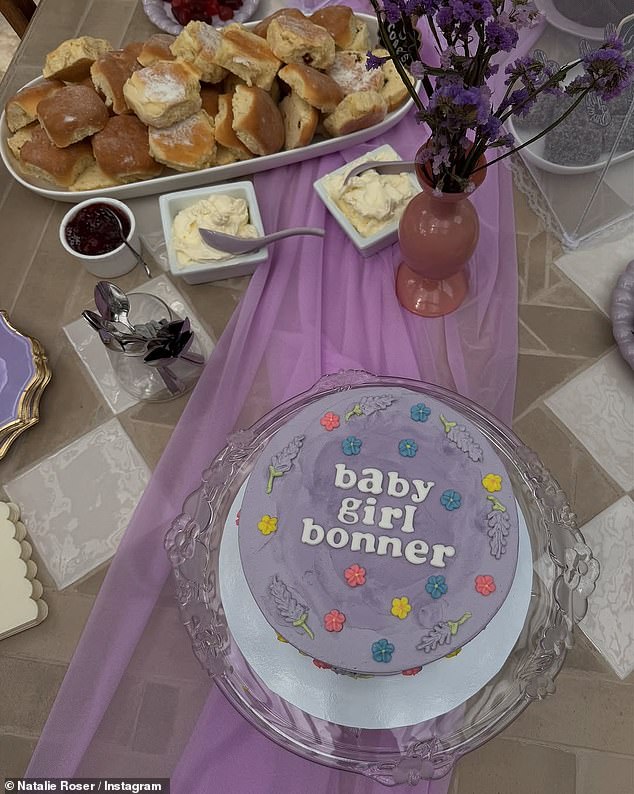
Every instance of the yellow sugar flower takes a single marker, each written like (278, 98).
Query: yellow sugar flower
(492, 482)
(453, 653)
(401, 607)
(267, 524)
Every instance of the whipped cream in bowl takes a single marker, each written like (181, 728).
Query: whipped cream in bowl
(368, 207)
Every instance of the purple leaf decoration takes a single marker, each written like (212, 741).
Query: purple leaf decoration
(282, 462)
(440, 634)
(498, 524)
(459, 436)
(369, 405)
(288, 606)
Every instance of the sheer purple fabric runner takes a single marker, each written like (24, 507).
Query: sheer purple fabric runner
(134, 701)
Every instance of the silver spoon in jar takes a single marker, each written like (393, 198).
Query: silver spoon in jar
(139, 258)
(232, 244)
(113, 304)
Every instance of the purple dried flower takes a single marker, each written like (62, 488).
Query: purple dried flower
(375, 61)
(607, 71)
(394, 9)
(501, 35)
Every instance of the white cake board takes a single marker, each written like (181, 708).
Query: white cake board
(383, 702)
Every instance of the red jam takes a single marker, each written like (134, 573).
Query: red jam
(93, 231)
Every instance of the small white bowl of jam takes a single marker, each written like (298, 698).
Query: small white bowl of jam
(90, 233)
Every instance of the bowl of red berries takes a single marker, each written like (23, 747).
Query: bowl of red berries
(172, 15)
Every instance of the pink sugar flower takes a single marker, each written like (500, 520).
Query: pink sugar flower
(334, 620)
(485, 585)
(329, 421)
(355, 575)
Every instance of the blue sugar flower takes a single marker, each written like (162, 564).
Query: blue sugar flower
(450, 500)
(407, 447)
(351, 445)
(436, 586)
(420, 412)
(382, 651)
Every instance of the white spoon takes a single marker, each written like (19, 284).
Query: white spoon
(242, 245)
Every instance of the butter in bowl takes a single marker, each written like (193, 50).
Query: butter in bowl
(368, 207)
(229, 208)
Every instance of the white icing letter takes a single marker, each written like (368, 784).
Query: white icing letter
(313, 534)
(357, 537)
(422, 490)
(441, 551)
(408, 524)
(394, 542)
(396, 486)
(387, 514)
(373, 483)
(368, 511)
(347, 512)
(343, 537)
(415, 551)
(344, 478)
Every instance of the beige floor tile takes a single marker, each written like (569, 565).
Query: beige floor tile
(528, 341)
(513, 767)
(569, 332)
(15, 754)
(586, 485)
(603, 773)
(538, 375)
(583, 656)
(56, 637)
(28, 690)
(585, 711)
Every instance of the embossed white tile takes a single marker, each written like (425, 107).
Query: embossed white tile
(595, 270)
(78, 502)
(93, 354)
(598, 407)
(609, 624)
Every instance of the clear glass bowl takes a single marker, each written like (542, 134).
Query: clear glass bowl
(564, 576)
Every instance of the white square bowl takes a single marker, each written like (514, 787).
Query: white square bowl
(171, 204)
(367, 244)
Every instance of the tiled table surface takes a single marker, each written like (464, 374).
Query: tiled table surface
(581, 740)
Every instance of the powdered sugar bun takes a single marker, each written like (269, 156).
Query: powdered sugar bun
(187, 145)
(163, 93)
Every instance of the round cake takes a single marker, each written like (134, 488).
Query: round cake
(378, 530)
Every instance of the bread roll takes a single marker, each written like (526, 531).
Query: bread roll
(257, 120)
(93, 178)
(261, 29)
(162, 94)
(246, 55)
(356, 112)
(314, 87)
(156, 48)
(300, 121)
(196, 45)
(300, 41)
(40, 158)
(393, 88)
(209, 96)
(225, 135)
(21, 108)
(339, 21)
(71, 61)
(71, 114)
(188, 145)
(16, 141)
(109, 73)
(122, 150)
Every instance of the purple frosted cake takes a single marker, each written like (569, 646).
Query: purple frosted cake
(378, 531)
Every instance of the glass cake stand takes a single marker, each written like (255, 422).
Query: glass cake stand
(564, 573)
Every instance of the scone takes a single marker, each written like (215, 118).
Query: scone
(187, 145)
(209, 96)
(262, 26)
(356, 112)
(93, 178)
(109, 73)
(300, 41)
(393, 88)
(71, 114)
(162, 94)
(361, 39)
(350, 73)
(257, 120)
(40, 158)
(156, 48)
(313, 86)
(21, 108)
(16, 141)
(71, 61)
(195, 44)
(122, 150)
(339, 21)
(246, 55)
(300, 121)
(226, 137)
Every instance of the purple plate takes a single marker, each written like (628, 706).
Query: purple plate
(17, 371)
(160, 13)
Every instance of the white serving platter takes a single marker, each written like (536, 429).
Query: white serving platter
(173, 180)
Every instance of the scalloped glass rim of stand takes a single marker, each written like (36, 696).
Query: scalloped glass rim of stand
(564, 575)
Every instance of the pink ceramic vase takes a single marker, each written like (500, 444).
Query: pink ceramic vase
(437, 235)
